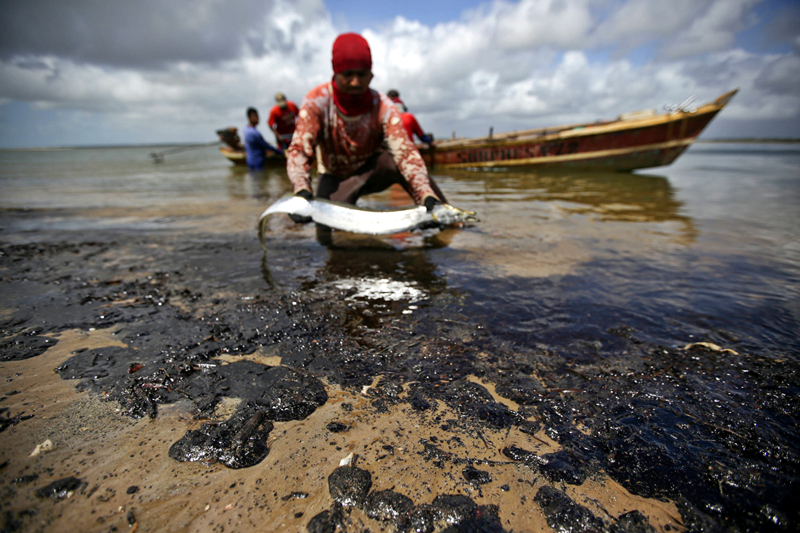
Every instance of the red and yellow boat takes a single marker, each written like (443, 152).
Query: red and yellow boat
(635, 140)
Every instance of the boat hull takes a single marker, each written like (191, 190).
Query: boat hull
(621, 145)
(237, 157)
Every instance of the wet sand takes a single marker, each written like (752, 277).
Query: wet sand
(127, 479)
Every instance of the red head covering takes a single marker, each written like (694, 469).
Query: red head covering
(351, 52)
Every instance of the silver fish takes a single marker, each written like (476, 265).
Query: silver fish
(347, 217)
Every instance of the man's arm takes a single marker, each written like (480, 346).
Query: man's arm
(417, 130)
(258, 141)
(273, 149)
(272, 120)
(293, 108)
(301, 151)
(405, 153)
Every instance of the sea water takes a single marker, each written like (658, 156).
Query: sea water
(705, 249)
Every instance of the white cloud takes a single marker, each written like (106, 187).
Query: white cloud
(506, 64)
(637, 22)
(531, 23)
(520, 65)
(713, 30)
(781, 76)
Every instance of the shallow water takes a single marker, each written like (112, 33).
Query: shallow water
(592, 284)
(705, 249)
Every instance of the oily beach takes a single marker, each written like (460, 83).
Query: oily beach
(604, 352)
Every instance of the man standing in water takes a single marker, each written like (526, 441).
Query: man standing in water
(282, 118)
(351, 124)
(254, 143)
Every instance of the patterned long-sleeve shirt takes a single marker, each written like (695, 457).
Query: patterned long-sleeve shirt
(347, 142)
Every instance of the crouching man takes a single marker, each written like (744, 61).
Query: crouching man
(359, 132)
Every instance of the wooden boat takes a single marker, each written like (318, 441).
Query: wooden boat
(235, 153)
(635, 140)
(237, 157)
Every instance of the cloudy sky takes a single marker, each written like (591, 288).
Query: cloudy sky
(87, 72)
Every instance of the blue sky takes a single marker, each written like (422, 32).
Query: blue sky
(177, 71)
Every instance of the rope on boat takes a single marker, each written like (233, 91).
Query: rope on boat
(158, 157)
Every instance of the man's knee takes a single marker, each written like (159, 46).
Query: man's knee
(326, 186)
(386, 163)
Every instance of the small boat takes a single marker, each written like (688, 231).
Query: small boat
(237, 157)
(235, 153)
(640, 139)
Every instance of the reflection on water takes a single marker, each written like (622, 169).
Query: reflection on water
(263, 185)
(381, 282)
(371, 288)
(395, 281)
(613, 196)
(564, 260)
(569, 260)
(376, 269)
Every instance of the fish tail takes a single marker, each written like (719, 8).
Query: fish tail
(262, 228)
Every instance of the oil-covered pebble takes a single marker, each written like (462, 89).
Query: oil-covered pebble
(327, 521)
(563, 466)
(239, 442)
(60, 489)
(337, 427)
(387, 505)
(563, 514)
(478, 477)
(632, 522)
(349, 485)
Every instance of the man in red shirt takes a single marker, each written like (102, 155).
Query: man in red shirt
(410, 123)
(412, 127)
(359, 133)
(282, 119)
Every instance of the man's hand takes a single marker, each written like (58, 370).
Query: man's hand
(431, 202)
(300, 219)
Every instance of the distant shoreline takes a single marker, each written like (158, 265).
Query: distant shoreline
(103, 147)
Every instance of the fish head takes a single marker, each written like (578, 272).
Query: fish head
(447, 214)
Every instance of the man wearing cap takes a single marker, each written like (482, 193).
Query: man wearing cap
(410, 123)
(394, 96)
(363, 146)
(282, 118)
